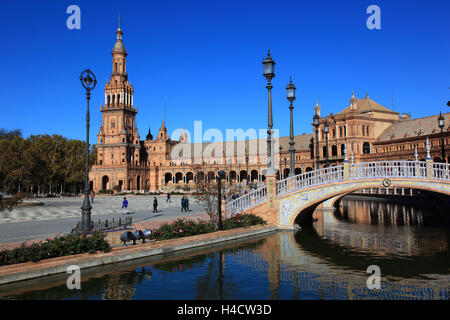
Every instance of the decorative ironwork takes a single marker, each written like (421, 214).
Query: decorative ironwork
(107, 225)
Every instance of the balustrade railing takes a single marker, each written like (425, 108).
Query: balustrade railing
(441, 171)
(246, 201)
(311, 178)
(388, 169)
(357, 171)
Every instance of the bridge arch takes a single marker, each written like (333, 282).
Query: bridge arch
(299, 206)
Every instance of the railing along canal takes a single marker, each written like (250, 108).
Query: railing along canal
(388, 169)
(246, 201)
(311, 178)
(441, 171)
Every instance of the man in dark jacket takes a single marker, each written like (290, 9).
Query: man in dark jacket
(155, 205)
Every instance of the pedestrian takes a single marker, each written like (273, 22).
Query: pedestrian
(168, 197)
(186, 204)
(92, 196)
(182, 204)
(125, 205)
(155, 205)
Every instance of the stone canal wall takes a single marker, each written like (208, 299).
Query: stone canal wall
(30, 270)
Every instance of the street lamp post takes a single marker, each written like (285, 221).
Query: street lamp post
(281, 148)
(326, 129)
(246, 161)
(269, 73)
(221, 175)
(441, 123)
(291, 97)
(88, 82)
(316, 119)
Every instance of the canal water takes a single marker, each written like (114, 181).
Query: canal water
(409, 245)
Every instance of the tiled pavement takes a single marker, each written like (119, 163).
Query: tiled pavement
(56, 208)
(59, 215)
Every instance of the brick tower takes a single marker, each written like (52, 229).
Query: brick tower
(118, 141)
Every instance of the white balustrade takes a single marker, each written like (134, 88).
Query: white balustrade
(310, 178)
(441, 171)
(357, 171)
(388, 169)
(246, 201)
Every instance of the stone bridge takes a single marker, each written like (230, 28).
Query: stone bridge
(293, 200)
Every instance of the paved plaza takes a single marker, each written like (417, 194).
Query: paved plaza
(61, 215)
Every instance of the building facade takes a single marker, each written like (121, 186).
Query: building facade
(370, 131)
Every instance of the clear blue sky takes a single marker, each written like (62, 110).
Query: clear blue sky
(203, 59)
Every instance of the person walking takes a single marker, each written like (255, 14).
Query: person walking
(186, 204)
(182, 204)
(92, 196)
(155, 205)
(125, 205)
(168, 197)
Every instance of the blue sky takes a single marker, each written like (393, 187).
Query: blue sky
(203, 60)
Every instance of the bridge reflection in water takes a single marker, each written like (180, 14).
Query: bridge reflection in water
(326, 261)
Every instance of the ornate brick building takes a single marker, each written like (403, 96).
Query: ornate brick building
(370, 131)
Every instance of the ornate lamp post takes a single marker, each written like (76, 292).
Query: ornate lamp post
(246, 161)
(88, 82)
(221, 175)
(281, 148)
(316, 127)
(441, 123)
(269, 73)
(326, 129)
(291, 97)
(285, 164)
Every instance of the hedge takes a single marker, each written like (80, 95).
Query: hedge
(53, 248)
(183, 228)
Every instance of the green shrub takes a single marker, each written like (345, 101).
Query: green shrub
(57, 247)
(184, 228)
(242, 220)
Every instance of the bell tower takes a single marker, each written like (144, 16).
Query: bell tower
(118, 138)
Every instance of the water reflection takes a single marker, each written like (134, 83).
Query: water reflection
(375, 227)
(326, 261)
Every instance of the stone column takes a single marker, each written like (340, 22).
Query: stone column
(346, 167)
(429, 160)
(272, 201)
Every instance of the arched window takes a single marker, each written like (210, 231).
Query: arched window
(115, 67)
(334, 151)
(366, 148)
